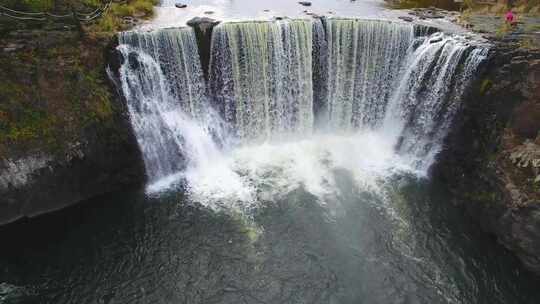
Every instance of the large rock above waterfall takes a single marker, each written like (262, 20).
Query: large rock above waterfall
(204, 22)
(203, 31)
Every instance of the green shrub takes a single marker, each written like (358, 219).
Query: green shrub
(143, 6)
(485, 86)
(122, 10)
(107, 23)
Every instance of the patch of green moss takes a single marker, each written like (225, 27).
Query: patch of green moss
(122, 10)
(485, 86)
(481, 196)
(51, 97)
(112, 21)
(144, 6)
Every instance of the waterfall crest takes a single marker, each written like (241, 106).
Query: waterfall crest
(261, 76)
(176, 53)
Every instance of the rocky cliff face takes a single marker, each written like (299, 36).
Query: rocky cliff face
(492, 157)
(64, 134)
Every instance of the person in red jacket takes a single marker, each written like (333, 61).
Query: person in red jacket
(510, 17)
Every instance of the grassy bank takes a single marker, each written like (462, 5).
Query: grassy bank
(53, 81)
(528, 7)
(51, 95)
(114, 18)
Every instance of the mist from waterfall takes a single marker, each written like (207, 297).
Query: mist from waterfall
(290, 102)
(163, 85)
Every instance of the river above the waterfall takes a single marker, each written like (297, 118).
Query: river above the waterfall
(168, 15)
(250, 10)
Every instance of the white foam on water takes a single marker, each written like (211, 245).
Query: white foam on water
(269, 171)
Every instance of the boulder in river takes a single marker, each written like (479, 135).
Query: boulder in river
(203, 27)
(198, 21)
(305, 3)
(406, 18)
(180, 5)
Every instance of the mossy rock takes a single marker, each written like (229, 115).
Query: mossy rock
(50, 96)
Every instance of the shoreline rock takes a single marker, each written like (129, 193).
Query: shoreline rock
(488, 166)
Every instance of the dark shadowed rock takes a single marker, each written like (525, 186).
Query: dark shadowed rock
(202, 22)
(203, 32)
(305, 3)
(489, 163)
(405, 18)
(84, 160)
(180, 5)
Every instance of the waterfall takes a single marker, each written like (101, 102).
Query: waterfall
(162, 82)
(176, 53)
(398, 84)
(429, 94)
(397, 79)
(364, 58)
(320, 72)
(261, 76)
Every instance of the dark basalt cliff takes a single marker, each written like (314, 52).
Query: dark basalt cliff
(64, 131)
(491, 159)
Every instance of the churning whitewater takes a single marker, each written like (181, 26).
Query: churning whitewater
(291, 102)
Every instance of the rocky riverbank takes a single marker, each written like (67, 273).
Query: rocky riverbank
(492, 157)
(64, 131)
(64, 134)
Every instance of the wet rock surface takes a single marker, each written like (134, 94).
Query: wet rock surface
(203, 31)
(76, 142)
(491, 156)
(406, 18)
(526, 31)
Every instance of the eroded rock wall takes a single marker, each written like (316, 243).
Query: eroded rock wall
(64, 134)
(490, 160)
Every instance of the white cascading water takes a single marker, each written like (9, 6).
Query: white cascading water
(364, 59)
(261, 75)
(428, 95)
(383, 94)
(163, 85)
(381, 77)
